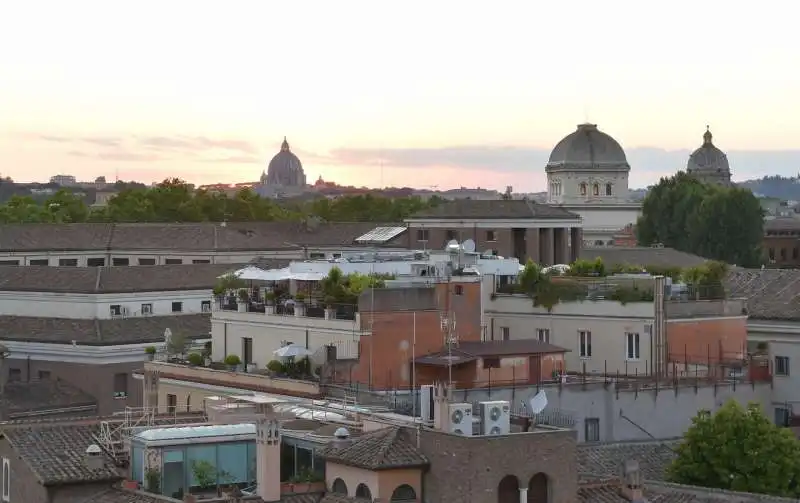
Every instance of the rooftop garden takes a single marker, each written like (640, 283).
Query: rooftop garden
(591, 280)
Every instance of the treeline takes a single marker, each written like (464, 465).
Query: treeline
(174, 200)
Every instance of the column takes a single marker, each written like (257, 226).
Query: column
(561, 244)
(546, 247)
(523, 495)
(576, 243)
(532, 245)
(268, 458)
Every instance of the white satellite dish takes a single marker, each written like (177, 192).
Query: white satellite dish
(538, 402)
(452, 246)
(468, 246)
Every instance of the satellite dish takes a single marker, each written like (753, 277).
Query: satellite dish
(468, 246)
(538, 402)
(452, 246)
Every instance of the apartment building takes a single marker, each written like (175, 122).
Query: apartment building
(90, 326)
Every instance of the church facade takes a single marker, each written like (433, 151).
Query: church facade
(587, 174)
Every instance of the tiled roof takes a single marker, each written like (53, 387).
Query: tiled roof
(782, 224)
(662, 492)
(51, 394)
(471, 350)
(772, 294)
(642, 256)
(494, 209)
(156, 278)
(605, 460)
(342, 498)
(382, 449)
(134, 330)
(209, 236)
(117, 495)
(56, 454)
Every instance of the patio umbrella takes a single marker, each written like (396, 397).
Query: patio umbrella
(292, 351)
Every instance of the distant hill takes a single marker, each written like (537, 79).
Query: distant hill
(774, 186)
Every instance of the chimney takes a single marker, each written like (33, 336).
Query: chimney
(631, 487)
(94, 458)
(268, 458)
(441, 398)
(341, 438)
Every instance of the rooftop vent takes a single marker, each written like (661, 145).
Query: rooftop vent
(94, 458)
(341, 437)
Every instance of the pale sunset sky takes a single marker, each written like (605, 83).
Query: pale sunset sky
(440, 93)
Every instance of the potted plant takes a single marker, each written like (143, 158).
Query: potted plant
(233, 361)
(276, 367)
(152, 481)
(244, 298)
(150, 351)
(330, 307)
(195, 359)
(300, 304)
(269, 303)
(205, 474)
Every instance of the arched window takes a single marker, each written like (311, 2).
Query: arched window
(596, 190)
(539, 489)
(339, 487)
(608, 189)
(403, 494)
(508, 490)
(362, 491)
(583, 189)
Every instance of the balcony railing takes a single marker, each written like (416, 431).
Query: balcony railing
(314, 310)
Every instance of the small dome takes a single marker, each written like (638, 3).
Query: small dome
(709, 163)
(94, 449)
(285, 169)
(341, 433)
(588, 148)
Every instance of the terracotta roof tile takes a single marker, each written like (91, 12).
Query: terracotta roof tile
(772, 294)
(605, 459)
(382, 449)
(117, 495)
(642, 256)
(19, 398)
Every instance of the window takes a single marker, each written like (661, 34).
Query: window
(337, 255)
(205, 306)
(459, 289)
(68, 262)
(585, 344)
(608, 189)
(14, 374)
(781, 416)
(781, 365)
(39, 261)
(783, 253)
(9, 262)
(450, 235)
(795, 253)
(423, 234)
(595, 190)
(172, 403)
(506, 333)
(543, 334)
(120, 385)
(147, 261)
(147, 309)
(591, 431)
(316, 255)
(491, 363)
(6, 480)
(177, 307)
(772, 253)
(44, 374)
(247, 351)
(95, 262)
(491, 236)
(116, 310)
(632, 346)
(583, 189)
(201, 261)
(173, 261)
(120, 261)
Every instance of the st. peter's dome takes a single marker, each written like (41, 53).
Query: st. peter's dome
(588, 148)
(708, 163)
(285, 169)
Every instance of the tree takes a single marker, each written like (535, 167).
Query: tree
(716, 222)
(738, 449)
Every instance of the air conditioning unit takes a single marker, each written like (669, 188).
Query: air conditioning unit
(495, 418)
(426, 407)
(460, 418)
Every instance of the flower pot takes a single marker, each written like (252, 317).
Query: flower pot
(299, 309)
(330, 314)
(241, 307)
(269, 309)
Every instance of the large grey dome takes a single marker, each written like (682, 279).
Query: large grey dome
(285, 169)
(588, 148)
(708, 163)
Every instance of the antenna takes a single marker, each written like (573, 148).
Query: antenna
(468, 246)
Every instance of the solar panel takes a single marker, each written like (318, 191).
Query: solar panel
(380, 235)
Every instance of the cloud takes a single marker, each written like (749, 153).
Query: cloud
(195, 143)
(236, 159)
(117, 156)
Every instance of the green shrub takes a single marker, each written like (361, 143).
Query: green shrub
(233, 360)
(275, 366)
(195, 358)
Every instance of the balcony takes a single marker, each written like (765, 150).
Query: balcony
(341, 317)
(234, 379)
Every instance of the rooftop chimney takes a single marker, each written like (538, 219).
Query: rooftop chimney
(631, 488)
(94, 458)
(341, 438)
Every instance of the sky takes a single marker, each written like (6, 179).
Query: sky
(424, 94)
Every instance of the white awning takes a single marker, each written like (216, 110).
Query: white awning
(307, 276)
(250, 273)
